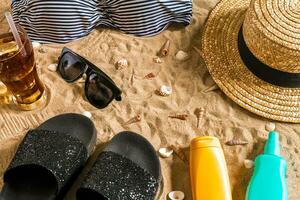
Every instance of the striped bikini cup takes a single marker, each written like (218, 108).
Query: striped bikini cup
(62, 21)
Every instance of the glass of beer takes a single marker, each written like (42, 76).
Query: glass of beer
(18, 70)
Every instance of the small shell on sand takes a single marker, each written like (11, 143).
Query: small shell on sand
(181, 55)
(150, 76)
(52, 67)
(157, 60)
(164, 51)
(87, 114)
(135, 119)
(176, 195)
(165, 91)
(182, 117)
(270, 127)
(248, 163)
(165, 152)
(121, 64)
(36, 45)
(236, 142)
(199, 112)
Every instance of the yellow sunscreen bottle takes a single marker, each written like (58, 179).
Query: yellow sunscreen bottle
(208, 171)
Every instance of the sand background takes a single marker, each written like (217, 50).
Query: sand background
(189, 80)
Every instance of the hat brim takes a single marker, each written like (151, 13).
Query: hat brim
(223, 60)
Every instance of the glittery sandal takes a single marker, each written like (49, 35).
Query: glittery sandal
(127, 169)
(49, 159)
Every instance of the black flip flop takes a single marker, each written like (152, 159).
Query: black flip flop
(127, 169)
(49, 158)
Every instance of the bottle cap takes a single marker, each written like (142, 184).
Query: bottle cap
(272, 146)
(205, 141)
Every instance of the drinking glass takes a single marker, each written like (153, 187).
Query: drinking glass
(18, 71)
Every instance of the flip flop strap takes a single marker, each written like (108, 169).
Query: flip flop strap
(59, 153)
(116, 177)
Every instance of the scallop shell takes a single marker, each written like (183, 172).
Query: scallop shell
(248, 163)
(165, 90)
(36, 45)
(121, 64)
(87, 114)
(165, 152)
(181, 55)
(270, 127)
(52, 67)
(176, 195)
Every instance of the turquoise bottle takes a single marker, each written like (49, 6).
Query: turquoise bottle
(269, 177)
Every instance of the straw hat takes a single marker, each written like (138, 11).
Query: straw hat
(252, 51)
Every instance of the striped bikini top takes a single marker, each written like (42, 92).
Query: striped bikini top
(62, 21)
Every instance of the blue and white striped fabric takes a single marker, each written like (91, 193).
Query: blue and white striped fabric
(62, 21)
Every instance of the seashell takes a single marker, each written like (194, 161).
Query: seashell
(181, 117)
(236, 142)
(176, 195)
(181, 55)
(164, 91)
(150, 76)
(87, 114)
(121, 64)
(248, 163)
(52, 67)
(270, 127)
(179, 153)
(41, 50)
(164, 51)
(36, 45)
(135, 119)
(199, 112)
(165, 152)
(157, 60)
(211, 88)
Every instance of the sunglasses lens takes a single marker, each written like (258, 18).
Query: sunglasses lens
(71, 67)
(98, 93)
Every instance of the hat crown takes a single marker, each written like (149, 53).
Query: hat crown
(271, 31)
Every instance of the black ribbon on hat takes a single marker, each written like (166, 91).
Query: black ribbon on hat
(263, 71)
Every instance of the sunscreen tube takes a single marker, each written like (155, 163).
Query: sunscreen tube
(269, 177)
(208, 171)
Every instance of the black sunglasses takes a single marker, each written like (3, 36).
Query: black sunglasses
(99, 88)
